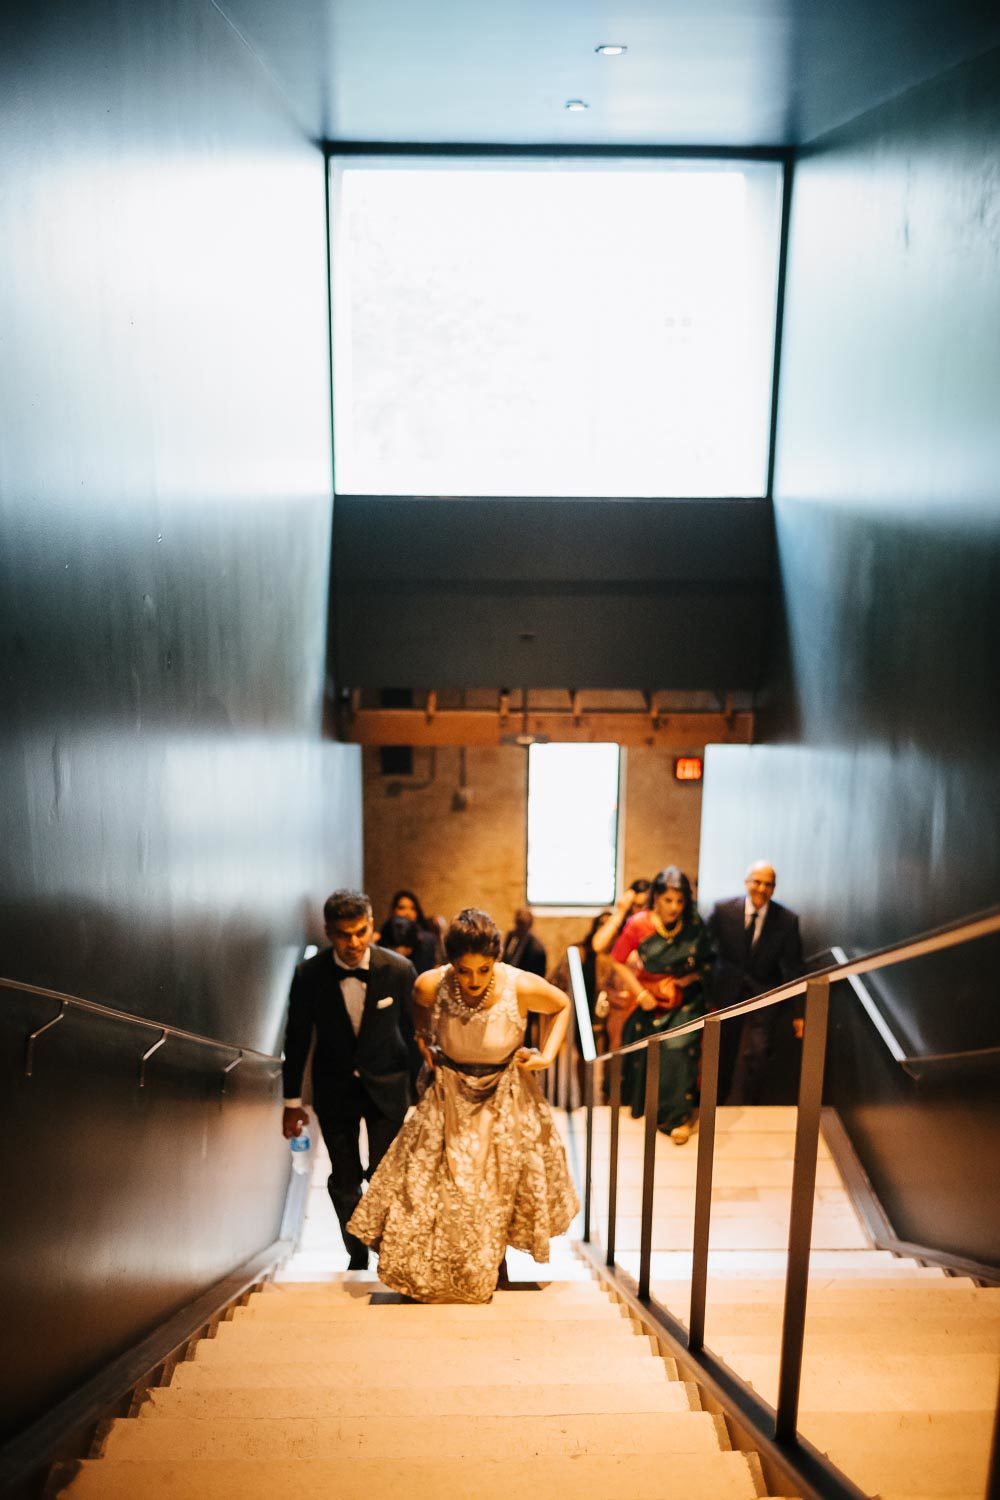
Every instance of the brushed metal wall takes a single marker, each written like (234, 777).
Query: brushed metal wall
(169, 811)
(877, 795)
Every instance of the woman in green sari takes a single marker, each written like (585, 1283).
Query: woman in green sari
(664, 956)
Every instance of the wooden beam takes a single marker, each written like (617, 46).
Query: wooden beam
(486, 727)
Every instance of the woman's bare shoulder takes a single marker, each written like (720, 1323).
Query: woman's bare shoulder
(427, 985)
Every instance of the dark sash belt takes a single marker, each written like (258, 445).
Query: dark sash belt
(475, 1070)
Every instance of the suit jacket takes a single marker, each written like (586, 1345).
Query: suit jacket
(383, 1058)
(776, 957)
(525, 953)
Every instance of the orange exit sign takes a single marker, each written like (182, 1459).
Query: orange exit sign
(688, 768)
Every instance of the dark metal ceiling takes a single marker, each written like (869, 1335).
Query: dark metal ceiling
(711, 72)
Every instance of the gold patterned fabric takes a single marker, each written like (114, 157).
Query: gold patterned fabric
(477, 1167)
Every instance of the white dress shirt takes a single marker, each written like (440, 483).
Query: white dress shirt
(748, 912)
(353, 992)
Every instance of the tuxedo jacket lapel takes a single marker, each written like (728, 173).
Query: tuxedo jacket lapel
(338, 1005)
(374, 990)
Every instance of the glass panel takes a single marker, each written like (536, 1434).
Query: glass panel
(548, 327)
(572, 824)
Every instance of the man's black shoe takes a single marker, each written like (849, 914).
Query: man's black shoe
(358, 1261)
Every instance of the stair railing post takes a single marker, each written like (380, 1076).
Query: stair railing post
(649, 1164)
(711, 1038)
(801, 1216)
(615, 1101)
(588, 1181)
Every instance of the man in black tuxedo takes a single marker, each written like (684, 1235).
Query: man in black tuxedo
(758, 947)
(358, 1000)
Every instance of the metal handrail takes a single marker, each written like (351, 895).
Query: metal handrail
(94, 1007)
(951, 936)
(777, 1428)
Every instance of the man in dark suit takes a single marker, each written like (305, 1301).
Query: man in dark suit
(358, 1001)
(521, 949)
(758, 947)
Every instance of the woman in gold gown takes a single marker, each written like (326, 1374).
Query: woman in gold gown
(478, 1166)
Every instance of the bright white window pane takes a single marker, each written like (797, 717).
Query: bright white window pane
(572, 824)
(554, 328)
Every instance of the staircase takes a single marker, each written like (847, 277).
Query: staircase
(900, 1364)
(321, 1387)
(320, 1390)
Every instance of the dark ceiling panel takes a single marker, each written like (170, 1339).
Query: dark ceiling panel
(712, 72)
(551, 541)
(551, 593)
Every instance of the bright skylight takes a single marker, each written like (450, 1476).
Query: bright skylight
(553, 327)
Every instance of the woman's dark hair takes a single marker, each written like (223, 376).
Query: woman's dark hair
(599, 921)
(472, 931)
(640, 886)
(422, 921)
(400, 932)
(673, 879)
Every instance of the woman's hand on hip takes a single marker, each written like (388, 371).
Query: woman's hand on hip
(530, 1060)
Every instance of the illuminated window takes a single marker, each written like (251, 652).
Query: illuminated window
(572, 824)
(553, 327)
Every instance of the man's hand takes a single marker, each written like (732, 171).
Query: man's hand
(645, 1001)
(294, 1121)
(798, 1026)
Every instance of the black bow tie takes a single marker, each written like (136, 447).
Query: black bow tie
(342, 972)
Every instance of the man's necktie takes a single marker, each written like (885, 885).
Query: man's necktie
(361, 975)
(751, 932)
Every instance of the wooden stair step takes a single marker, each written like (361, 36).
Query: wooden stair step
(552, 1291)
(835, 1292)
(250, 1339)
(428, 1316)
(914, 1340)
(759, 1234)
(884, 1382)
(398, 1368)
(677, 1172)
(923, 1453)
(599, 1398)
(846, 1323)
(702, 1476)
(426, 1437)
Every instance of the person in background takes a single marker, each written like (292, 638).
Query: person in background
(633, 899)
(357, 1000)
(618, 997)
(758, 947)
(406, 905)
(663, 957)
(521, 949)
(400, 936)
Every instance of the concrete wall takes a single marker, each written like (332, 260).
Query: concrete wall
(414, 837)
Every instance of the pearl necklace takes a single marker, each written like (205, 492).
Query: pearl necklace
(469, 1006)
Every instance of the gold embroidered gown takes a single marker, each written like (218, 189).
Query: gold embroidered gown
(477, 1167)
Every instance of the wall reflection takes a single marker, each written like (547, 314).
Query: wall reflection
(168, 807)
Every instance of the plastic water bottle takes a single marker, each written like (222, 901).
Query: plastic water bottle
(301, 1159)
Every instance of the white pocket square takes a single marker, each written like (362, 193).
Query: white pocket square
(381, 1004)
